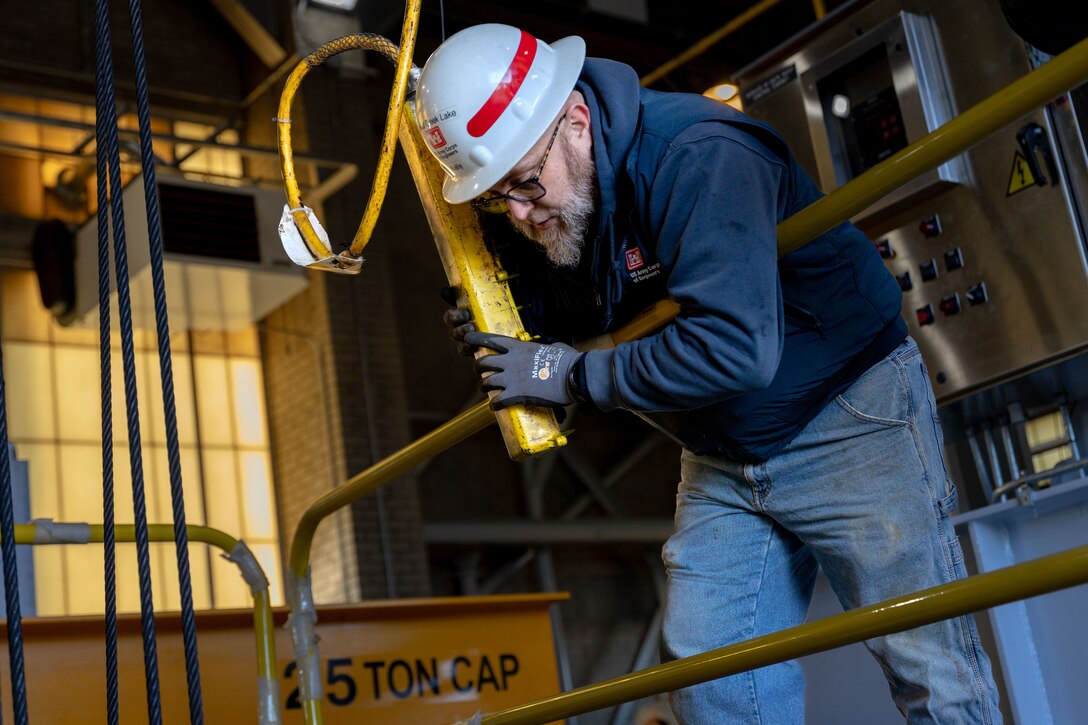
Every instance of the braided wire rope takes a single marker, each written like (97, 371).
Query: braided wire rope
(109, 544)
(162, 323)
(11, 571)
(128, 359)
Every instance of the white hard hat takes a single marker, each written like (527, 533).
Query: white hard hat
(486, 96)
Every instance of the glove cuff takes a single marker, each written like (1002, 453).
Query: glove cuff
(576, 381)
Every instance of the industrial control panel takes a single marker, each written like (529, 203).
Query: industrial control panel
(988, 248)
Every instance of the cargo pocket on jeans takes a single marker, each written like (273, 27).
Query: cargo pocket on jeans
(950, 501)
(946, 505)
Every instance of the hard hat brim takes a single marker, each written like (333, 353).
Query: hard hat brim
(570, 56)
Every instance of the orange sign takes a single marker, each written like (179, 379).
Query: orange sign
(415, 661)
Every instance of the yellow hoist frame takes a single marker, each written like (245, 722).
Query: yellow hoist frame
(469, 266)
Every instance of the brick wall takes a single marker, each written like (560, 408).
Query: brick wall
(353, 321)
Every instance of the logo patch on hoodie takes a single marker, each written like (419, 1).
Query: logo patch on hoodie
(634, 259)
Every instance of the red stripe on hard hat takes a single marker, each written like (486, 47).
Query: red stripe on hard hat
(508, 87)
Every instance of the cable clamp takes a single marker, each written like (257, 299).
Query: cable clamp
(47, 531)
(251, 568)
(268, 701)
(281, 120)
(474, 720)
(300, 252)
(301, 622)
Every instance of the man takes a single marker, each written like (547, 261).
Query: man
(808, 424)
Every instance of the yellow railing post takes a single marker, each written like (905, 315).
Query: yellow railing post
(45, 532)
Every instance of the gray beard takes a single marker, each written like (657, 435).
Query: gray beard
(563, 243)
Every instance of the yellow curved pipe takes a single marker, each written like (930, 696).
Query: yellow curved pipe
(262, 604)
(446, 435)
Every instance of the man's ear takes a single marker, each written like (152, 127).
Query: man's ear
(578, 117)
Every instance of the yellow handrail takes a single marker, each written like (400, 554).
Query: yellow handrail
(445, 436)
(262, 604)
(1061, 74)
(981, 591)
(1036, 88)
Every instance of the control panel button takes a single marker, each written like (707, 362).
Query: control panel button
(930, 227)
(928, 270)
(976, 294)
(885, 249)
(950, 304)
(925, 315)
(953, 259)
(904, 281)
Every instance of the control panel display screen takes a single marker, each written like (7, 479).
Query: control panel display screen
(862, 114)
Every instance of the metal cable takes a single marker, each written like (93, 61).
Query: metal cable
(162, 324)
(109, 546)
(11, 571)
(128, 359)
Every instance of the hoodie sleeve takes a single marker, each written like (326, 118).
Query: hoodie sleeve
(713, 205)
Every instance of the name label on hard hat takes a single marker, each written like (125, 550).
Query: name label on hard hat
(438, 118)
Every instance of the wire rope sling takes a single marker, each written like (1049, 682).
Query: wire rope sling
(111, 209)
(469, 265)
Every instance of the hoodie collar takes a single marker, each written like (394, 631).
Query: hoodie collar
(612, 93)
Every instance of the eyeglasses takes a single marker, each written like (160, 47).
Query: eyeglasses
(529, 190)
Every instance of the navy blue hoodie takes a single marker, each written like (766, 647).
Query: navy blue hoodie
(690, 193)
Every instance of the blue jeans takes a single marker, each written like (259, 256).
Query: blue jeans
(861, 492)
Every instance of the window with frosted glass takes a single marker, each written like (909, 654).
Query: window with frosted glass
(54, 419)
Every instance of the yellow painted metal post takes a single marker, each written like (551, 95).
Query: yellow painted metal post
(527, 430)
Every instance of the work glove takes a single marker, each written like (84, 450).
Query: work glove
(527, 373)
(458, 320)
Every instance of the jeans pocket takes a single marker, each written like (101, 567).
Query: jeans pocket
(880, 396)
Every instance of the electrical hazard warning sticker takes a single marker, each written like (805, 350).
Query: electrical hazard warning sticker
(1020, 177)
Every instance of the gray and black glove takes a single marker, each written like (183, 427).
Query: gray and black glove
(529, 373)
(458, 320)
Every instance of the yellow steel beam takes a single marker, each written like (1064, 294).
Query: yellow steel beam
(259, 40)
(709, 41)
(1040, 86)
(982, 591)
(481, 282)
